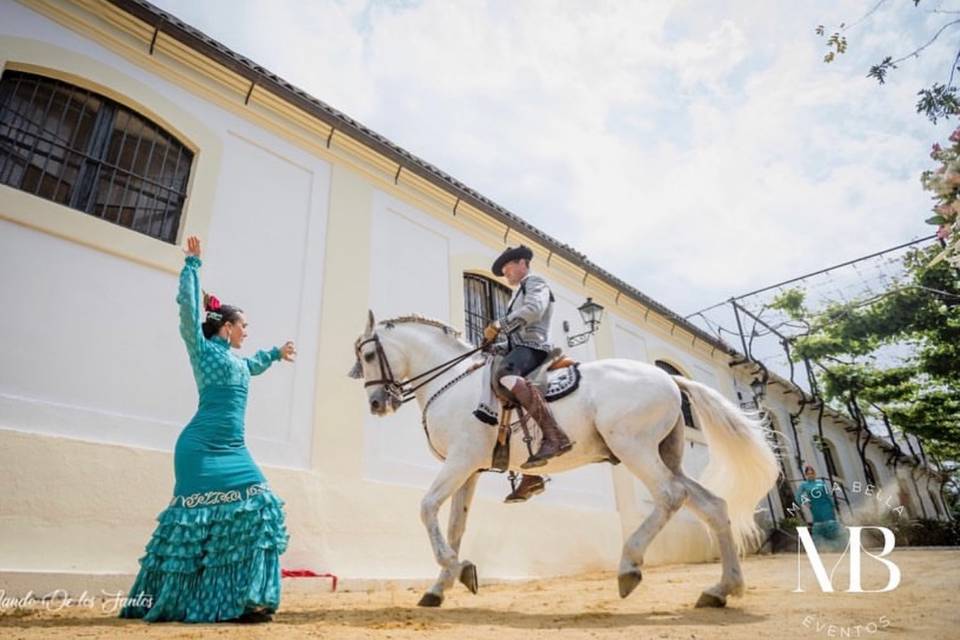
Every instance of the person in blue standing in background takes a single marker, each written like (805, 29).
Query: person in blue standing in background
(828, 534)
(215, 554)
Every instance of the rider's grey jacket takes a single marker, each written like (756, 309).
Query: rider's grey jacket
(527, 322)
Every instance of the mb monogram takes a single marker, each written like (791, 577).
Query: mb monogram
(855, 548)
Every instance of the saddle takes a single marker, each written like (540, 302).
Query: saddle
(539, 377)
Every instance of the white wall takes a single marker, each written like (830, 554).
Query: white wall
(265, 254)
(410, 273)
(90, 340)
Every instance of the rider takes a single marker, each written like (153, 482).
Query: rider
(527, 325)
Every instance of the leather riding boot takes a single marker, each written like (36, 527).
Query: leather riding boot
(529, 486)
(555, 442)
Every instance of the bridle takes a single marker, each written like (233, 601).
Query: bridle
(405, 391)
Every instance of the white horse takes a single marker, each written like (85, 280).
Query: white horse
(624, 407)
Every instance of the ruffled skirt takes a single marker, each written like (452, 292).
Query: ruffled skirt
(829, 536)
(212, 557)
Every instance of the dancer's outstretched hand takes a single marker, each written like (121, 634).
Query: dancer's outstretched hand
(288, 352)
(193, 246)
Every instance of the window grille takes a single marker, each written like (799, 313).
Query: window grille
(485, 301)
(70, 145)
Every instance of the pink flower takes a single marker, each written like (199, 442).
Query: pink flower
(955, 136)
(935, 150)
(943, 232)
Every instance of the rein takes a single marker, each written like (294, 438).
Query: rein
(423, 416)
(405, 390)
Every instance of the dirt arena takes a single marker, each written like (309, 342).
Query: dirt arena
(925, 605)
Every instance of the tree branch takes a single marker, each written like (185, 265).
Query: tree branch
(863, 18)
(917, 51)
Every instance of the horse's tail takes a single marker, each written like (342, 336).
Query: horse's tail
(742, 467)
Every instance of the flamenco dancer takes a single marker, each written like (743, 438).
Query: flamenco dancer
(814, 493)
(215, 555)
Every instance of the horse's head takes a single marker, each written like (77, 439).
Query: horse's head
(382, 364)
(389, 354)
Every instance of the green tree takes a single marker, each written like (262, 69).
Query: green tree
(919, 392)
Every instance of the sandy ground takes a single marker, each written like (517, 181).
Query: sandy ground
(925, 605)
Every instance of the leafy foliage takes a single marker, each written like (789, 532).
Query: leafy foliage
(939, 101)
(920, 394)
(936, 102)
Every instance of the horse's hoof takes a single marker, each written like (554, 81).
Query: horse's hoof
(430, 600)
(468, 576)
(710, 600)
(628, 582)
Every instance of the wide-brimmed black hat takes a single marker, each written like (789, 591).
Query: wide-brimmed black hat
(509, 255)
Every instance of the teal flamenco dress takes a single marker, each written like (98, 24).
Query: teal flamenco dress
(828, 535)
(215, 554)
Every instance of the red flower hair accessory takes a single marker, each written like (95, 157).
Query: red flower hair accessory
(213, 304)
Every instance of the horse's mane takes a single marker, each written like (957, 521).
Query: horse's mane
(430, 322)
(415, 319)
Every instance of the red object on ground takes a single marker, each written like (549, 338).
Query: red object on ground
(307, 573)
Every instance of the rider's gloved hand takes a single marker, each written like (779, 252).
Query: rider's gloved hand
(491, 331)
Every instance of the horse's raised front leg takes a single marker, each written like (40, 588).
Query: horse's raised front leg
(466, 571)
(456, 474)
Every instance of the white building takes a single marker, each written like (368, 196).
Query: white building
(122, 131)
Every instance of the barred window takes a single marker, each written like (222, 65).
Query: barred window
(80, 149)
(485, 301)
(684, 401)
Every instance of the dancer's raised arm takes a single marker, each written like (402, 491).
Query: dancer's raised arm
(189, 299)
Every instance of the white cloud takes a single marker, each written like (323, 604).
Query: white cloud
(695, 150)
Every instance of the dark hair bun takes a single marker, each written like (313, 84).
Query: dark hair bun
(217, 314)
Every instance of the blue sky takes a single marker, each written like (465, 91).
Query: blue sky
(697, 150)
